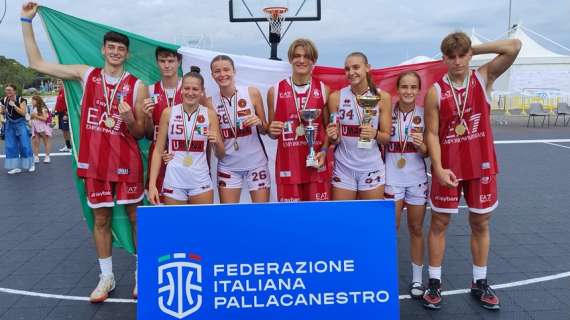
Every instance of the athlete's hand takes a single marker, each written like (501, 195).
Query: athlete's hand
(153, 195)
(148, 107)
(417, 139)
(252, 120)
(29, 10)
(321, 157)
(275, 128)
(166, 157)
(212, 137)
(333, 132)
(446, 178)
(367, 132)
(126, 112)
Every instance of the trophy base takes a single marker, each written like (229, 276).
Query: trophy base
(312, 163)
(365, 144)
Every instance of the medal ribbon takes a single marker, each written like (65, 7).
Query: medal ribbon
(407, 129)
(299, 107)
(108, 103)
(460, 110)
(185, 120)
(226, 110)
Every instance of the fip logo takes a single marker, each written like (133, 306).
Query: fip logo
(180, 284)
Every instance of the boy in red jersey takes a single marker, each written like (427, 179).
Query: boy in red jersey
(460, 144)
(285, 102)
(111, 122)
(163, 94)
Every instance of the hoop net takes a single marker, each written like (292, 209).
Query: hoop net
(275, 15)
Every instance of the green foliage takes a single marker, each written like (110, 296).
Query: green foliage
(11, 71)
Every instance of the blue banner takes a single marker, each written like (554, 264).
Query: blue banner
(311, 260)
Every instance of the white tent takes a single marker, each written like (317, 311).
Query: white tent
(536, 69)
(418, 59)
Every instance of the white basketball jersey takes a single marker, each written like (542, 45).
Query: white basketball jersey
(347, 151)
(232, 112)
(414, 172)
(195, 128)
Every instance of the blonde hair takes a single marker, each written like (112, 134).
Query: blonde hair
(312, 52)
(455, 43)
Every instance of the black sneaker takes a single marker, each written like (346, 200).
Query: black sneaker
(486, 296)
(432, 295)
(417, 290)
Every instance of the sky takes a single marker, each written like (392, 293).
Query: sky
(388, 32)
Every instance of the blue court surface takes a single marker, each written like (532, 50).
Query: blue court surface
(48, 264)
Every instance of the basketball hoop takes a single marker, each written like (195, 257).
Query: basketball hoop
(275, 15)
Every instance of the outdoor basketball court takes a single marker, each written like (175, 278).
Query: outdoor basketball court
(48, 265)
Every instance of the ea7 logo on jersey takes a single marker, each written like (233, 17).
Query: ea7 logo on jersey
(485, 197)
(180, 284)
(285, 95)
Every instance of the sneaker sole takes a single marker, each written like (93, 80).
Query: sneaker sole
(102, 299)
(486, 306)
(432, 306)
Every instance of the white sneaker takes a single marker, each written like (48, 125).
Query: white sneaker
(47, 159)
(32, 168)
(135, 289)
(104, 287)
(64, 149)
(14, 171)
(36, 159)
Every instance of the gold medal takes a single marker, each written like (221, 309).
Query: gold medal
(300, 131)
(401, 163)
(460, 129)
(187, 161)
(110, 122)
(236, 146)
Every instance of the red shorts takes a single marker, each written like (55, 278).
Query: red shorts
(313, 191)
(480, 195)
(101, 193)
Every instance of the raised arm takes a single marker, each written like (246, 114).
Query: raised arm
(70, 72)
(507, 51)
(259, 118)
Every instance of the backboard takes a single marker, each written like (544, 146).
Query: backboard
(252, 10)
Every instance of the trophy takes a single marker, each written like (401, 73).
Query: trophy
(310, 115)
(368, 104)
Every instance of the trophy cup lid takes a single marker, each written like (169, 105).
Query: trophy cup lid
(367, 101)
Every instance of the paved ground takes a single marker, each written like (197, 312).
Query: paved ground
(45, 246)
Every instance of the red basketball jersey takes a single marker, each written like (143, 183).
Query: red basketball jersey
(109, 154)
(162, 103)
(471, 155)
(292, 151)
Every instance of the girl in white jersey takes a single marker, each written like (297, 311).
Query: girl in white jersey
(241, 118)
(406, 177)
(358, 172)
(188, 128)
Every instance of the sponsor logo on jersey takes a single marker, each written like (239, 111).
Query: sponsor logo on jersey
(201, 118)
(132, 189)
(244, 113)
(123, 171)
(486, 165)
(96, 80)
(242, 103)
(285, 95)
(485, 197)
(221, 183)
(417, 120)
(336, 179)
(285, 174)
(347, 101)
(316, 94)
(179, 284)
(485, 180)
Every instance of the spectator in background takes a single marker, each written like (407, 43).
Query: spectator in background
(18, 145)
(63, 118)
(41, 128)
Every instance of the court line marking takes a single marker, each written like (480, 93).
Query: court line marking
(401, 297)
(557, 145)
(549, 141)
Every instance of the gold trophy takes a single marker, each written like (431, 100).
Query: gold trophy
(368, 105)
(310, 115)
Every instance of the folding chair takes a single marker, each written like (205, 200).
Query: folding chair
(562, 109)
(536, 110)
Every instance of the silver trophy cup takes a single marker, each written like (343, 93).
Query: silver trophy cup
(368, 104)
(309, 115)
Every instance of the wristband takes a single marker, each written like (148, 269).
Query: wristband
(324, 149)
(24, 19)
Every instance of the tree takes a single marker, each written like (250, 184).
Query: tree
(11, 71)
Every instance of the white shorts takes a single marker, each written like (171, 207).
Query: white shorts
(256, 179)
(348, 179)
(415, 195)
(182, 194)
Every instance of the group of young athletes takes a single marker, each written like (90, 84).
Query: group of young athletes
(452, 127)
